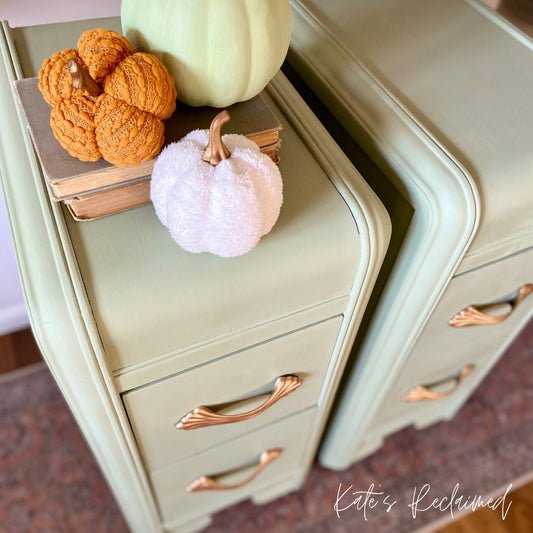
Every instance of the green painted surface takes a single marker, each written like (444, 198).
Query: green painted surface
(116, 298)
(247, 374)
(150, 298)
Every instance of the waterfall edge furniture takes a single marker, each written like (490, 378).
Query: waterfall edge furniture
(438, 94)
(139, 333)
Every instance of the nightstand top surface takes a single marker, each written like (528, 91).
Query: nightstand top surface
(151, 300)
(456, 71)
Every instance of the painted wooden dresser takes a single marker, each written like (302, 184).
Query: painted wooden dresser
(438, 94)
(197, 381)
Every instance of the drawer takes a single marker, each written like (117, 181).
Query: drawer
(437, 370)
(231, 386)
(231, 464)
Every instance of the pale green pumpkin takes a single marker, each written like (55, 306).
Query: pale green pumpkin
(218, 51)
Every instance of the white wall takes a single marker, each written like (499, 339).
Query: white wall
(31, 12)
(13, 314)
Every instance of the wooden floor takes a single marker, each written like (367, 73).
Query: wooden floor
(18, 350)
(519, 518)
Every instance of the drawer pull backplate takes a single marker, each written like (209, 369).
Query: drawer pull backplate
(422, 392)
(203, 416)
(474, 316)
(209, 483)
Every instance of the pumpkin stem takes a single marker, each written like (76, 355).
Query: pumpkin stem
(216, 150)
(81, 79)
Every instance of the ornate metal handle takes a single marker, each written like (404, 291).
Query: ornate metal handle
(203, 416)
(424, 392)
(209, 483)
(473, 316)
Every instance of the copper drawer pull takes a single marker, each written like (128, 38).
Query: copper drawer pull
(422, 392)
(209, 483)
(203, 416)
(473, 316)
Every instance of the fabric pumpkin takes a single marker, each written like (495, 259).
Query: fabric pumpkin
(117, 111)
(220, 207)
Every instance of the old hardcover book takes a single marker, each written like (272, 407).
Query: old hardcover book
(124, 196)
(69, 177)
(110, 200)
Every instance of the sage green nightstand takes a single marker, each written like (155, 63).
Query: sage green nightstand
(139, 333)
(438, 95)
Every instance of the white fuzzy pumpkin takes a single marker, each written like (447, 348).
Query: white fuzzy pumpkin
(220, 207)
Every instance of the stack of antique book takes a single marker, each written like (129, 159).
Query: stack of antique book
(93, 190)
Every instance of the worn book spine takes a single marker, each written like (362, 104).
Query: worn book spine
(114, 200)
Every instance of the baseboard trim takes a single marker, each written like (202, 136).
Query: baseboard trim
(13, 318)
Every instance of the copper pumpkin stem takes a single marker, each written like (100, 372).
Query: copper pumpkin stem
(81, 79)
(216, 150)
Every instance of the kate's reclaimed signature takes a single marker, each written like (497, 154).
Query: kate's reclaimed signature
(365, 500)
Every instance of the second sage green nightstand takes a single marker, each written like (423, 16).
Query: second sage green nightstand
(438, 95)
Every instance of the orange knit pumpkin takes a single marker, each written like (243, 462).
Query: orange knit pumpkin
(102, 50)
(55, 81)
(125, 133)
(72, 121)
(123, 124)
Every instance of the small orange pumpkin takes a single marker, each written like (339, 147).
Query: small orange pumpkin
(102, 50)
(107, 100)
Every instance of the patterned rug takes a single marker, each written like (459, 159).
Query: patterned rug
(50, 483)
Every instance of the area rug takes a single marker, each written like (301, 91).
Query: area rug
(49, 481)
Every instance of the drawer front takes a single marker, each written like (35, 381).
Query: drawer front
(248, 389)
(448, 361)
(236, 462)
